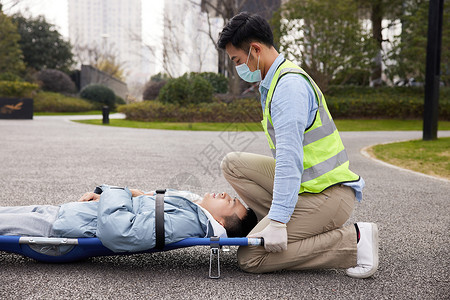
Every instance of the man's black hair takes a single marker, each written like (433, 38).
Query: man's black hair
(237, 227)
(243, 29)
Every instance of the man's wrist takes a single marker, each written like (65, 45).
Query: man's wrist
(277, 224)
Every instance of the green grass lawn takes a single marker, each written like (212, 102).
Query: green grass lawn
(91, 112)
(429, 157)
(179, 125)
(342, 125)
(385, 125)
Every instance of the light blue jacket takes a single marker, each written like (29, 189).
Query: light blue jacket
(127, 224)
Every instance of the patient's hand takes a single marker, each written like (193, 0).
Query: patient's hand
(89, 197)
(136, 193)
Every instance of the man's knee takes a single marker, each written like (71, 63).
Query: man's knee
(250, 260)
(228, 162)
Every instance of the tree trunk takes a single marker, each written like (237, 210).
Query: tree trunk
(234, 81)
(376, 18)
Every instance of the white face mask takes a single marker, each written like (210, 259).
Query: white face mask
(245, 73)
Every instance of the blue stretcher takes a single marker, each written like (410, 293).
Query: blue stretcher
(62, 250)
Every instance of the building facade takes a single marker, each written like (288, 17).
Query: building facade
(187, 44)
(111, 27)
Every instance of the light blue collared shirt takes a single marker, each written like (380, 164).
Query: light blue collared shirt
(293, 109)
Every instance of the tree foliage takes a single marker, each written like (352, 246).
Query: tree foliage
(55, 81)
(42, 45)
(11, 58)
(327, 39)
(152, 89)
(110, 66)
(101, 56)
(99, 95)
(377, 11)
(408, 56)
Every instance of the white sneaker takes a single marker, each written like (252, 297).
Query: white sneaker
(367, 251)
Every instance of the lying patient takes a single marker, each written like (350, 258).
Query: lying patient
(123, 219)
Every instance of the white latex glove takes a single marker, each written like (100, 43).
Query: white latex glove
(275, 236)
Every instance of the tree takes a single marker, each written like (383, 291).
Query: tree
(377, 11)
(409, 51)
(226, 9)
(111, 67)
(43, 46)
(327, 39)
(102, 57)
(10, 54)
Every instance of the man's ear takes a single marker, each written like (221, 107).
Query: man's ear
(257, 46)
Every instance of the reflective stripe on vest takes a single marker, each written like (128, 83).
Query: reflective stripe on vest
(332, 165)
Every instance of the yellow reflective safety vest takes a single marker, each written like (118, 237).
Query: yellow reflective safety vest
(325, 161)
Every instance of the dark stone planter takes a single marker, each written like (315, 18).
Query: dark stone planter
(16, 108)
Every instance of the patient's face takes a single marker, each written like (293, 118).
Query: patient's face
(222, 205)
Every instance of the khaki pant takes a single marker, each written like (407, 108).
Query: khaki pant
(316, 239)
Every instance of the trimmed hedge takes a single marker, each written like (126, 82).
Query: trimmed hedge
(245, 110)
(99, 95)
(17, 89)
(54, 102)
(386, 102)
(343, 103)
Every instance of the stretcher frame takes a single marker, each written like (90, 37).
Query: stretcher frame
(82, 248)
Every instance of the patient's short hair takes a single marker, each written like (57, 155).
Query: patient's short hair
(237, 227)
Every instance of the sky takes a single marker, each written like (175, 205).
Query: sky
(56, 12)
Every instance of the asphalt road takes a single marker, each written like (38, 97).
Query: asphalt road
(50, 160)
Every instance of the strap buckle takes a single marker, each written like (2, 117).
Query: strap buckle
(214, 256)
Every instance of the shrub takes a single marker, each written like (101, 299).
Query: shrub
(387, 102)
(8, 76)
(55, 81)
(160, 77)
(99, 95)
(174, 91)
(119, 100)
(200, 90)
(218, 81)
(17, 89)
(54, 102)
(152, 89)
(186, 89)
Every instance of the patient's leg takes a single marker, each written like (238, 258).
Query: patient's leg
(33, 220)
(251, 176)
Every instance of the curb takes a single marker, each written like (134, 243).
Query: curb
(364, 152)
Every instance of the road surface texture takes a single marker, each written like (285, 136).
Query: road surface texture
(51, 160)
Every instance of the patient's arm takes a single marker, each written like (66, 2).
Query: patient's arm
(89, 196)
(136, 193)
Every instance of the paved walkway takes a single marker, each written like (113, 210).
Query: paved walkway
(50, 160)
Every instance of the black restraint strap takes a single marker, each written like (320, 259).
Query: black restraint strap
(159, 219)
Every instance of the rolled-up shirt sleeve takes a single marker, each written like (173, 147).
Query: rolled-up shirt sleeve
(292, 110)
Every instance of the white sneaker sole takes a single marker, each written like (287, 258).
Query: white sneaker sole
(375, 256)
